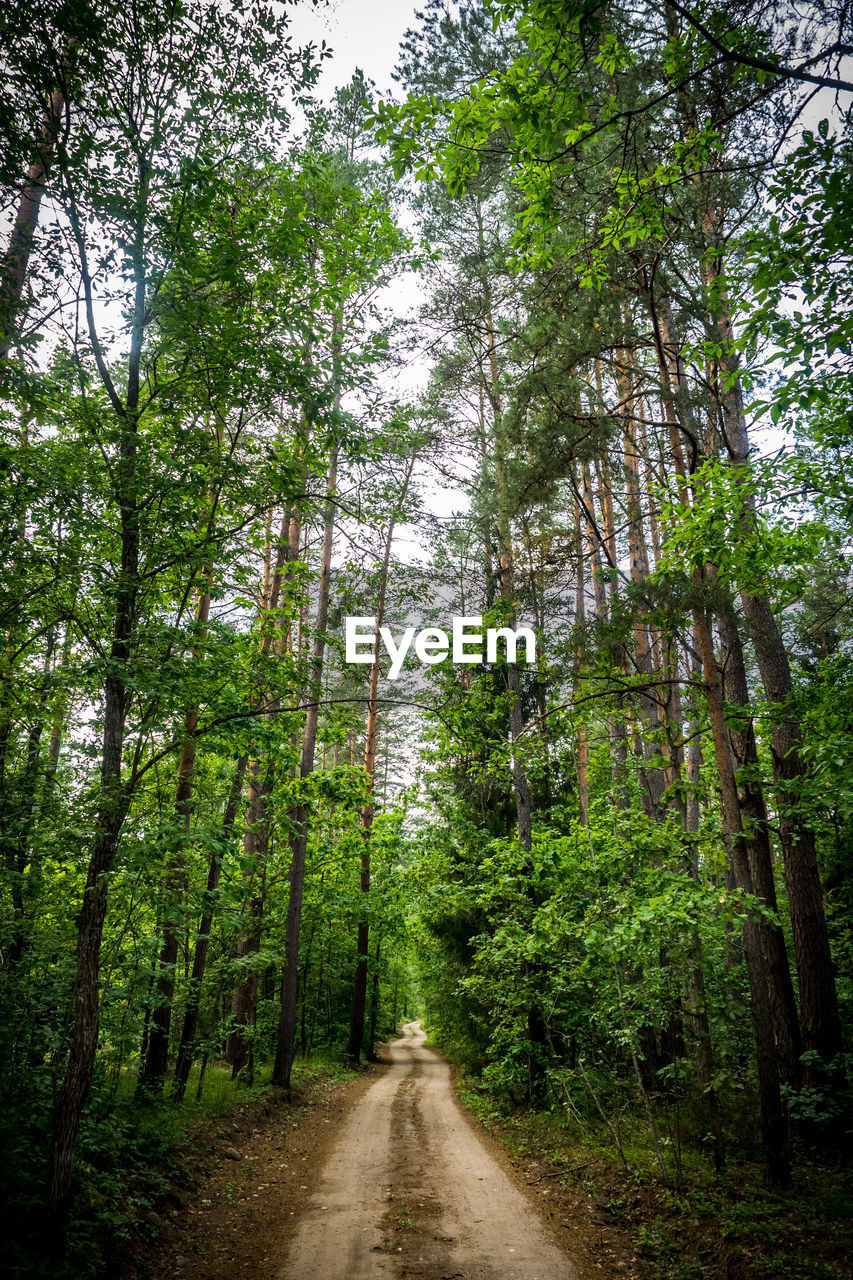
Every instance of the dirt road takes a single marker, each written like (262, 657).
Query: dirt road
(409, 1190)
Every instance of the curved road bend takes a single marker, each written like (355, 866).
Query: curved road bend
(410, 1189)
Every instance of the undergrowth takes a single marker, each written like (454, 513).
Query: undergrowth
(704, 1225)
(133, 1157)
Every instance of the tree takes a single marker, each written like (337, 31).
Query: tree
(136, 212)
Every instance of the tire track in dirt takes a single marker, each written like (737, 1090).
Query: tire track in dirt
(409, 1190)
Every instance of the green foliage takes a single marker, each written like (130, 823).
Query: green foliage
(200, 336)
(740, 521)
(799, 268)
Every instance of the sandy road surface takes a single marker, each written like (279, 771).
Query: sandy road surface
(409, 1190)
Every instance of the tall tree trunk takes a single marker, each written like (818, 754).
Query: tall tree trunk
(374, 1001)
(13, 270)
(774, 1130)
(596, 542)
(286, 1039)
(581, 735)
(537, 591)
(697, 1003)
(506, 567)
(653, 781)
(157, 1058)
(780, 987)
(239, 1046)
(112, 811)
(746, 830)
(239, 1052)
(114, 797)
(183, 1063)
(821, 1024)
(359, 986)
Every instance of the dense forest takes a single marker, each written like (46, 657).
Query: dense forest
(615, 878)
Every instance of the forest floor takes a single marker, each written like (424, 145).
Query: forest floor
(376, 1176)
(705, 1226)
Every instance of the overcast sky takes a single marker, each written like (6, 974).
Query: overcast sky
(361, 33)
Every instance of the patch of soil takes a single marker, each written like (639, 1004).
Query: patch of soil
(255, 1171)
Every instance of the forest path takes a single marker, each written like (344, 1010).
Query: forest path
(410, 1190)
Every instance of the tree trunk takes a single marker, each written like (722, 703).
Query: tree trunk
(238, 1050)
(286, 1038)
(697, 1004)
(521, 786)
(359, 988)
(374, 1003)
(183, 1064)
(780, 988)
(157, 1058)
(652, 776)
(596, 541)
(255, 845)
(821, 1024)
(13, 271)
(581, 731)
(777, 1164)
(114, 798)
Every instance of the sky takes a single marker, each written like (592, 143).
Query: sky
(361, 33)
